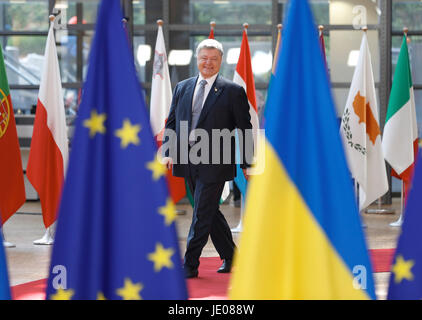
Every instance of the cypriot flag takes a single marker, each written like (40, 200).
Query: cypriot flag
(361, 132)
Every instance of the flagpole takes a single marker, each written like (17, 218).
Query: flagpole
(399, 221)
(48, 237)
(239, 227)
(179, 212)
(6, 244)
(212, 26)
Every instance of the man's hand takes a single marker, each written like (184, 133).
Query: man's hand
(168, 162)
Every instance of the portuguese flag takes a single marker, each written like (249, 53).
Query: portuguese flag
(400, 141)
(12, 188)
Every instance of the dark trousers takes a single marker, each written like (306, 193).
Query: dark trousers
(207, 220)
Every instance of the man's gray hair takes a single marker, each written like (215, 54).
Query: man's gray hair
(209, 44)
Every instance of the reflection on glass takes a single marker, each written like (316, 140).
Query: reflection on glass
(407, 14)
(180, 57)
(143, 54)
(24, 15)
(139, 41)
(230, 12)
(68, 10)
(138, 12)
(66, 49)
(23, 57)
(24, 101)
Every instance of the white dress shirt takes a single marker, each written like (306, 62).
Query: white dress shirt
(210, 82)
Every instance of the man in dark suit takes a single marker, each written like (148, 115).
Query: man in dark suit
(201, 107)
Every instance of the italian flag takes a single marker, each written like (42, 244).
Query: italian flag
(12, 187)
(48, 156)
(400, 142)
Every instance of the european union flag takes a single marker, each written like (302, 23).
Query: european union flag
(406, 271)
(116, 236)
(4, 279)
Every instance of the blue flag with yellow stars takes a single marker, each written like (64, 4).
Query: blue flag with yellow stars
(406, 269)
(116, 235)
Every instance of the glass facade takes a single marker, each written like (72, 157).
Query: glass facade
(24, 27)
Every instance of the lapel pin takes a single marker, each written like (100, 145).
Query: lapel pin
(215, 89)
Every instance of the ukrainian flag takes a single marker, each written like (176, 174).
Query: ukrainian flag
(302, 235)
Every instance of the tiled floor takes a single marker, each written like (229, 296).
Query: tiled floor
(28, 262)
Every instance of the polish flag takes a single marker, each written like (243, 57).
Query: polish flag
(48, 156)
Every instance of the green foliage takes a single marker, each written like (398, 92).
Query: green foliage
(407, 14)
(232, 13)
(27, 16)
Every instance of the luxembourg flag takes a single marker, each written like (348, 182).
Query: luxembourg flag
(243, 76)
(48, 156)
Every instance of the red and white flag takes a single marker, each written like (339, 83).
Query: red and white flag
(161, 95)
(243, 76)
(161, 92)
(48, 156)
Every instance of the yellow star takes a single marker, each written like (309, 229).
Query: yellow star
(402, 269)
(100, 296)
(128, 134)
(95, 123)
(161, 257)
(157, 168)
(130, 290)
(168, 211)
(62, 294)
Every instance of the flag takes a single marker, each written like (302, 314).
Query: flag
(277, 50)
(116, 235)
(161, 95)
(361, 132)
(322, 43)
(49, 153)
(406, 269)
(211, 35)
(302, 236)
(400, 141)
(12, 189)
(4, 279)
(243, 76)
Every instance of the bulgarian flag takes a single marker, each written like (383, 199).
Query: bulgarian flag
(400, 141)
(12, 187)
(48, 156)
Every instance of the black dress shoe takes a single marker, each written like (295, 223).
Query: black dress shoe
(190, 273)
(226, 267)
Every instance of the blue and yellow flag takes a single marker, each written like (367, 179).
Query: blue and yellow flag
(406, 270)
(302, 235)
(4, 279)
(116, 236)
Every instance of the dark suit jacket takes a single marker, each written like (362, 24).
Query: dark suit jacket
(226, 107)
